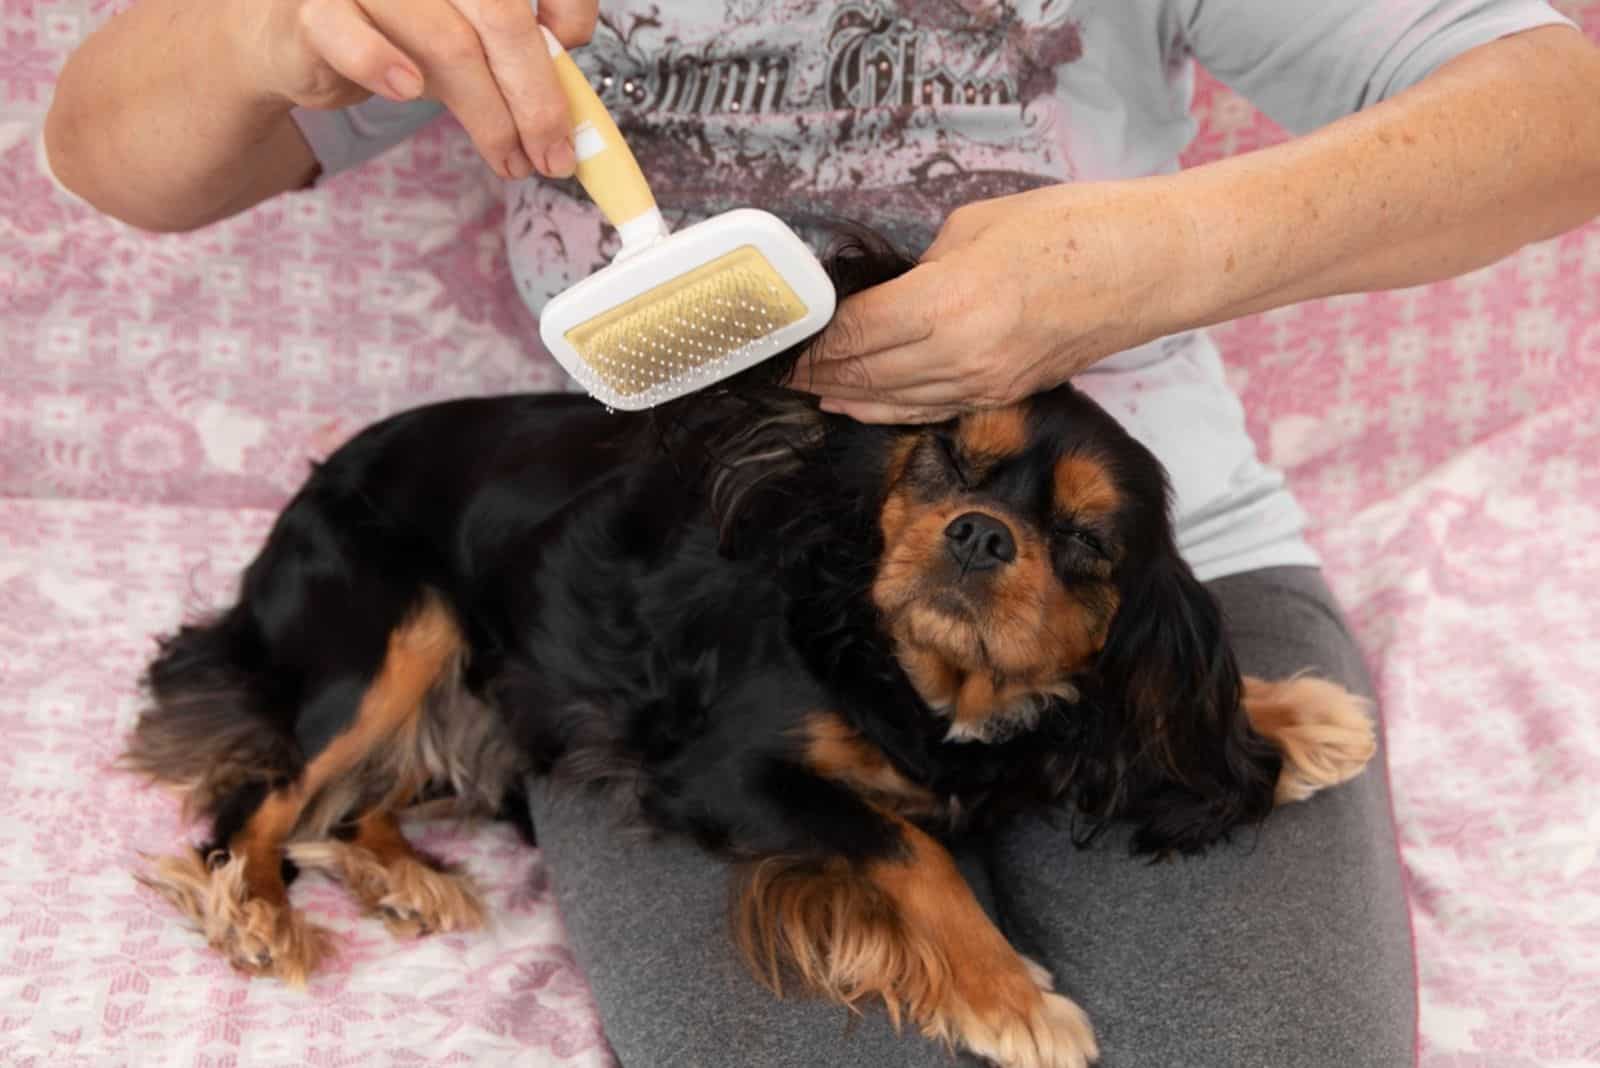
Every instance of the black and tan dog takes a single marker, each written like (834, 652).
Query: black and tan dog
(810, 644)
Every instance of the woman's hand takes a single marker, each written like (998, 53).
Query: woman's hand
(1016, 295)
(1020, 293)
(485, 60)
(176, 113)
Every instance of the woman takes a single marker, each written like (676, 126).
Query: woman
(1030, 150)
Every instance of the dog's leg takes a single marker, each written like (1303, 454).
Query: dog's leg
(908, 930)
(237, 894)
(413, 894)
(1323, 731)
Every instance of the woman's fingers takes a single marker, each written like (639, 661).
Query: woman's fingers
(485, 60)
(890, 414)
(572, 21)
(909, 374)
(899, 312)
(524, 74)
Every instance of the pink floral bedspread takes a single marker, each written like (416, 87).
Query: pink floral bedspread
(160, 396)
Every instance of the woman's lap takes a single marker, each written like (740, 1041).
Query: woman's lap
(1290, 946)
(648, 923)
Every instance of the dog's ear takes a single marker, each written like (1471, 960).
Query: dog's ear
(859, 258)
(1179, 759)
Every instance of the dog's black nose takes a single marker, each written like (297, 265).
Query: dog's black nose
(979, 542)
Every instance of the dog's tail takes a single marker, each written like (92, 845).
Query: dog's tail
(208, 728)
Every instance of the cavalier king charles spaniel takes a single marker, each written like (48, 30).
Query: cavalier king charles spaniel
(811, 645)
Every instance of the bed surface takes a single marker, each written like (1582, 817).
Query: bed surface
(160, 396)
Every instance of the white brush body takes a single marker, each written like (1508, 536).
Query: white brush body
(677, 359)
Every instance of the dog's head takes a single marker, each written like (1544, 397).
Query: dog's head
(1029, 570)
(1012, 540)
(1026, 570)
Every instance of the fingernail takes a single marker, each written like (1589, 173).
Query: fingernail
(517, 164)
(403, 83)
(828, 405)
(559, 159)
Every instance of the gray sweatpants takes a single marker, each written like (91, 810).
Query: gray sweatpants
(1288, 948)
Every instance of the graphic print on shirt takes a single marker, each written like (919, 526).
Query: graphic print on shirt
(889, 113)
(915, 54)
(801, 107)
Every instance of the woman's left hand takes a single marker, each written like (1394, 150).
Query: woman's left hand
(1015, 296)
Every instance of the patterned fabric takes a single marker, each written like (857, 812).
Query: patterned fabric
(160, 396)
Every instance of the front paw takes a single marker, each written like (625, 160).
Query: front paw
(1323, 731)
(1032, 1029)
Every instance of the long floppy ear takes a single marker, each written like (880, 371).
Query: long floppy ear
(1178, 758)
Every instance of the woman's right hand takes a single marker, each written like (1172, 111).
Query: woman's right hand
(485, 60)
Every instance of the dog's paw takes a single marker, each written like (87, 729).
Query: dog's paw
(256, 936)
(1045, 1031)
(412, 897)
(1323, 731)
(422, 900)
(275, 940)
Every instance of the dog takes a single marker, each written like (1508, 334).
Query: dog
(811, 645)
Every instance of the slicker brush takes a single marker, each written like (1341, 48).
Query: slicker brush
(672, 313)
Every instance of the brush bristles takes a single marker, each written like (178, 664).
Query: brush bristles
(688, 324)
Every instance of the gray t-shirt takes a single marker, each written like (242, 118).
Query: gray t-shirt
(895, 114)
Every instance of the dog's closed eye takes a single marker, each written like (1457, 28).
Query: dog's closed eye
(1074, 536)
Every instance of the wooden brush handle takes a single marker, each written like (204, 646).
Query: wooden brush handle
(606, 167)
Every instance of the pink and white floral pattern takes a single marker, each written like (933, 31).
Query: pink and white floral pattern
(160, 396)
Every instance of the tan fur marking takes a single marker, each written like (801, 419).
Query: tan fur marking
(836, 751)
(900, 451)
(993, 1005)
(392, 880)
(936, 679)
(976, 699)
(896, 508)
(995, 433)
(260, 846)
(909, 932)
(1323, 730)
(1084, 488)
(979, 705)
(419, 652)
(892, 520)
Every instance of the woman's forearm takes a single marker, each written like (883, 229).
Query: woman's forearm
(155, 121)
(1498, 148)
